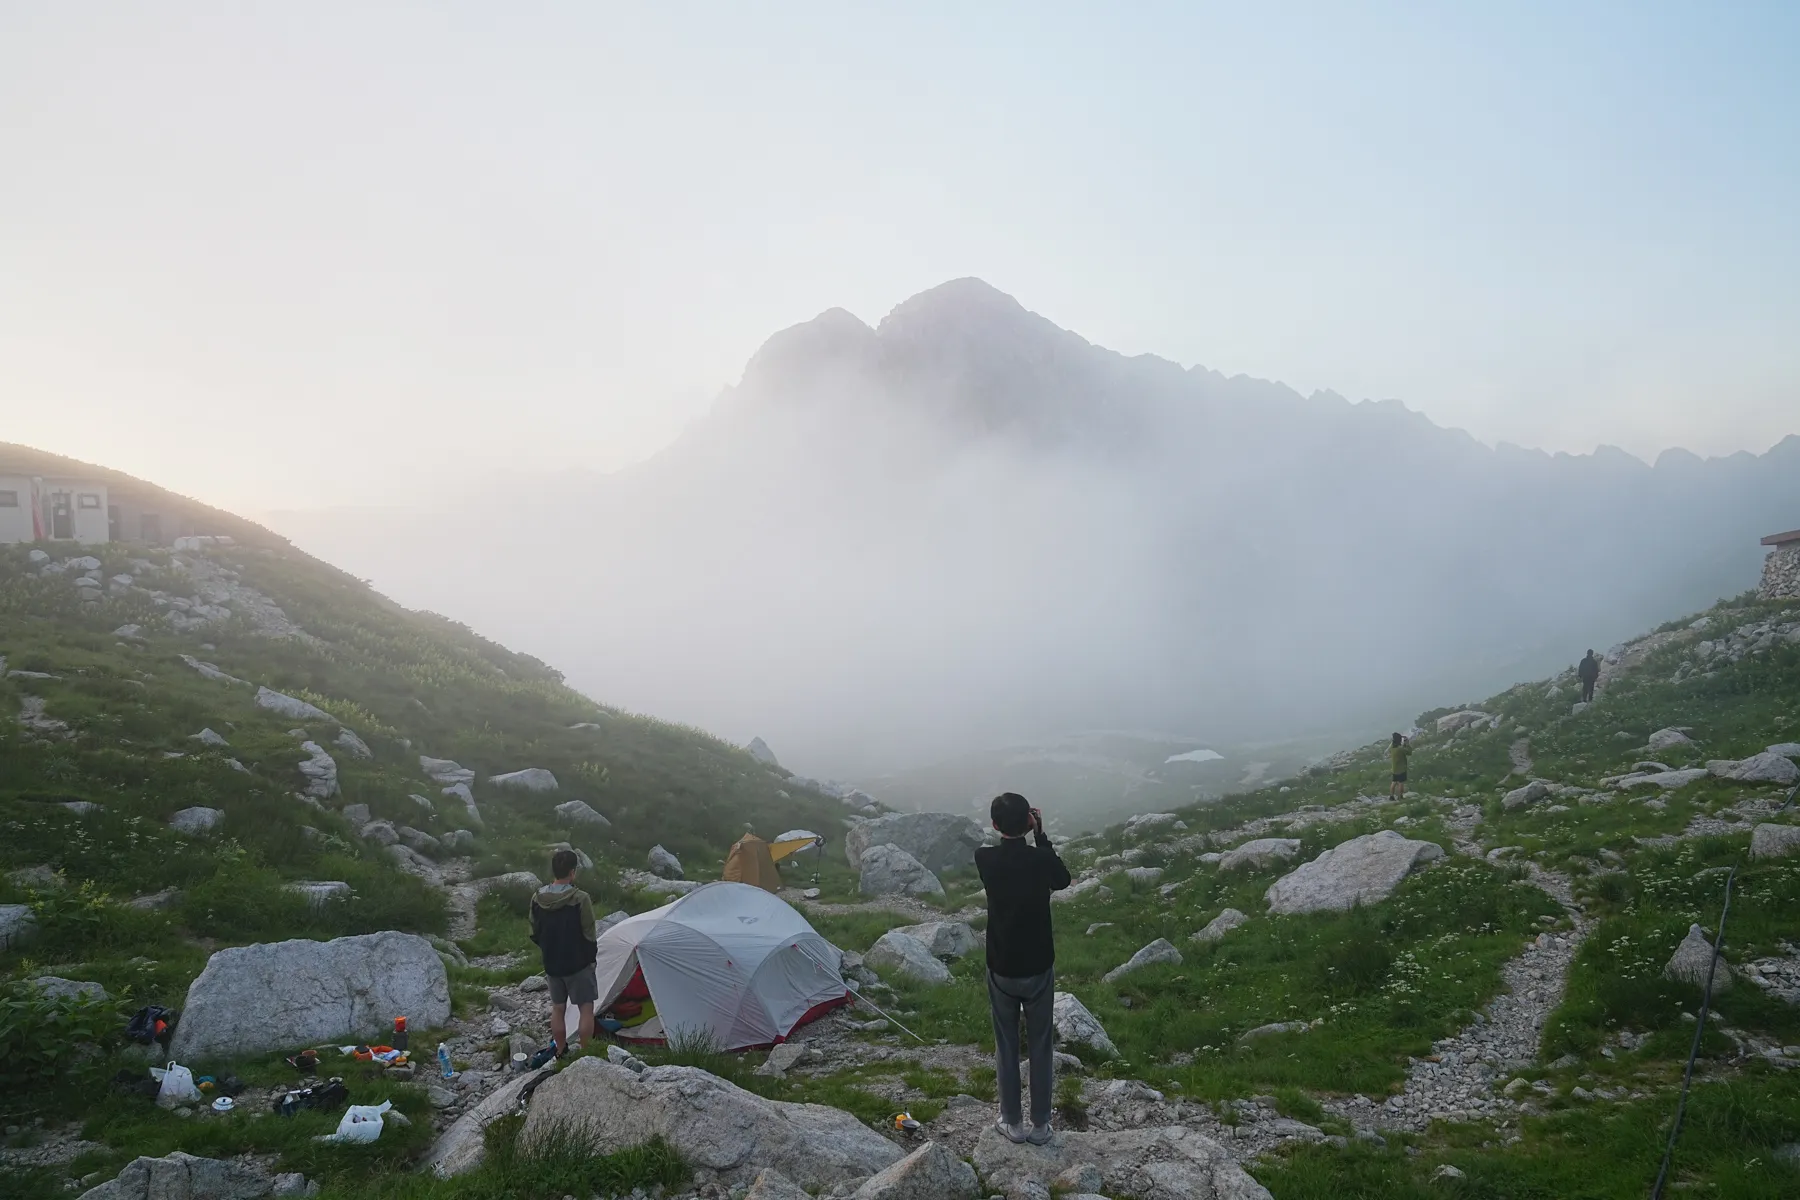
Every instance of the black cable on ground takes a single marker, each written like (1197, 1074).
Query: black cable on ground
(1712, 967)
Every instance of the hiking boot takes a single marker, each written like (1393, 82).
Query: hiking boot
(1013, 1131)
(540, 1058)
(1040, 1134)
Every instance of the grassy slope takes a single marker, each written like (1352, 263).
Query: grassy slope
(395, 677)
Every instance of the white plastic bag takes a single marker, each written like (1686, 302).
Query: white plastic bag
(177, 1087)
(361, 1123)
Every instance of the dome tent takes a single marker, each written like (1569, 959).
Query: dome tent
(750, 862)
(728, 962)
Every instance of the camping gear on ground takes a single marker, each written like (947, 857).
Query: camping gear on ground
(905, 1123)
(837, 973)
(541, 1057)
(306, 1062)
(177, 1086)
(133, 1083)
(444, 1066)
(400, 1033)
(224, 1104)
(793, 842)
(727, 962)
(750, 862)
(360, 1123)
(151, 1024)
(518, 1062)
(323, 1097)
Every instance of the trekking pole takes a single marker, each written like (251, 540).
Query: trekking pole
(851, 988)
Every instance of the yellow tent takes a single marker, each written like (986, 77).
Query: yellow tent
(749, 862)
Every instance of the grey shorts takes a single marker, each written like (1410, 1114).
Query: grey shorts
(579, 988)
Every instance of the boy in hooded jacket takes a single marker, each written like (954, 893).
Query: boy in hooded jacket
(562, 925)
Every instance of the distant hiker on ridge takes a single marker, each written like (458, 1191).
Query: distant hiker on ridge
(1589, 674)
(1401, 750)
(562, 925)
(1021, 955)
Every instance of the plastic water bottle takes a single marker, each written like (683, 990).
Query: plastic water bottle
(444, 1060)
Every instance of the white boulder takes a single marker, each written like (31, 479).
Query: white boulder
(943, 939)
(1774, 841)
(759, 750)
(1167, 1163)
(1363, 870)
(1260, 853)
(289, 706)
(531, 779)
(1159, 951)
(889, 871)
(1662, 739)
(197, 820)
(206, 737)
(320, 770)
(896, 953)
(349, 743)
(1531, 793)
(18, 925)
(580, 812)
(1455, 721)
(663, 864)
(254, 999)
(713, 1125)
(319, 892)
(445, 771)
(1758, 768)
(1693, 962)
(1221, 925)
(1076, 1026)
(183, 1176)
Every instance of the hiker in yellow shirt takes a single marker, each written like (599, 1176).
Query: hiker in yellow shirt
(1398, 755)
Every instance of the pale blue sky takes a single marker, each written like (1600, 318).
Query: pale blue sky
(283, 254)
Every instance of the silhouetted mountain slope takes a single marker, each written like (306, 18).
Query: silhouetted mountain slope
(969, 525)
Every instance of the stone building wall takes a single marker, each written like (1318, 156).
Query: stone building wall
(1781, 574)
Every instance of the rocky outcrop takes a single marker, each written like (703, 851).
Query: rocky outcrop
(253, 999)
(1157, 952)
(759, 750)
(319, 892)
(1693, 962)
(531, 779)
(1170, 1163)
(1221, 925)
(197, 820)
(580, 812)
(932, 1172)
(1260, 853)
(1146, 825)
(890, 871)
(207, 737)
(1666, 778)
(1774, 841)
(941, 841)
(183, 1176)
(1363, 870)
(1781, 574)
(714, 1125)
(291, 707)
(1076, 1026)
(895, 953)
(69, 989)
(1662, 739)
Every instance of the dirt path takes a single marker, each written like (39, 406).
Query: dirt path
(1462, 1077)
(1520, 751)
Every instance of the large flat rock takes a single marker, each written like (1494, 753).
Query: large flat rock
(1363, 870)
(712, 1124)
(276, 995)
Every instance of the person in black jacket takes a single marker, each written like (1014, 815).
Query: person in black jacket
(1589, 674)
(1021, 956)
(562, 925)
